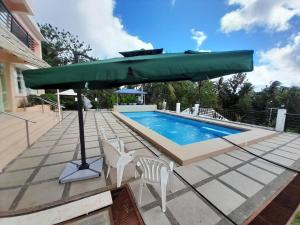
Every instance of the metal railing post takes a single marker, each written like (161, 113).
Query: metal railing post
(27, 133)
(43, 106)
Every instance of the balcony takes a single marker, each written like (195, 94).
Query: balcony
(9, 22)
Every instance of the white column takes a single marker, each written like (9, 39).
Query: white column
(164, 105)
(177, 107)
(196, 110)
(280, 120)
(58, 105)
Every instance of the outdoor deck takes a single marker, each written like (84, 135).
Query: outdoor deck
(236, 183)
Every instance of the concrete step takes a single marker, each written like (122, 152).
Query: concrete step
(13, 138)
(18, 130)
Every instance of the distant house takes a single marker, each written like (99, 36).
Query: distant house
(20, 49)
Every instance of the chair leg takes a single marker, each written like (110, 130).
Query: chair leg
(171, 182)
(120, 170)
(108, 170)
(163, 188)
(140, 192)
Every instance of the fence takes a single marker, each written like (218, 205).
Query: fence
(265, 118)
(292, 123)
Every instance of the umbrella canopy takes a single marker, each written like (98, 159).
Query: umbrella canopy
(69, 92)
(116, 72)
(130, 92)
(141, 69)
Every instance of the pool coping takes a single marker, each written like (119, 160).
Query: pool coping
(186, 154)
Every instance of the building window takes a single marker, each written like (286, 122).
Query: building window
(19, 80)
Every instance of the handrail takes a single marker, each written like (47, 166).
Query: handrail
(26, 125)
(21, 118)
(49, 101)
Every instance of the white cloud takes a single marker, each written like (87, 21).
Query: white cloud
(273, 15)
(279, 63)
(105, 32)
(199, 37)
(94, 22)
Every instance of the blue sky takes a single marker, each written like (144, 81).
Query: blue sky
(269, 27)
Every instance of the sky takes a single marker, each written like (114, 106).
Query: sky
(269, 27)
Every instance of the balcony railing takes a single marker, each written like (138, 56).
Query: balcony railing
(9, 22)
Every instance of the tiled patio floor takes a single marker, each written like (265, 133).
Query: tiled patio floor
(236, 183)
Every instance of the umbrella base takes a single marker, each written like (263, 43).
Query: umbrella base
(72, 171)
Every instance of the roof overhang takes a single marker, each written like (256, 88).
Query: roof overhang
(13, 50)
(23, 6)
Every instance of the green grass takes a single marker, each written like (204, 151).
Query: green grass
(296, 219)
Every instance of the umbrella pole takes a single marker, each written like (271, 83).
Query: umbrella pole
(83, 165)
(85, 168)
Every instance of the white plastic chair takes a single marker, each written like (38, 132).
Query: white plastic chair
(115, 158)
(115, 142)
(155, 171)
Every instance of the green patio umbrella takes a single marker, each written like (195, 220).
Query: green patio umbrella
(190, 65)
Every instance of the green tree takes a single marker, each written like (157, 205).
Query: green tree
(62, 47)
(207, 94)
(231, 90)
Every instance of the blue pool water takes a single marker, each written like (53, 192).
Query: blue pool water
(180, 130)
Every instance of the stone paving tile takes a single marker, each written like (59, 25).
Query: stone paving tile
(241, 155)
(277, 141)
(241, 183)
(91, 138)
(211, 166)
(142, 152)
(177, 186)
(191, 173)
(228, 160)
(124, 135)
(147, 197)
(41, 193)
(70, 136)
(133, 145)
(261, 147)
(87, 185)
(64, 148)
(36, 151)
(90, 152)
(24, 163)
(257, 173)
(220, 195)
(155, 216)
(297, 146)
(279, 159)
(60, 157)
(43, 144)
(92, 144)
(189, 209)
(290, 149)
(286, 154)
(128, 139)
(14, 178)
(49, 172)
(49, 138)
(7, 197)
(67, 141)
(268, 166)
(255, 151)
(269, 144)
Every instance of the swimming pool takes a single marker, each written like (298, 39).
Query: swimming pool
(180, 130)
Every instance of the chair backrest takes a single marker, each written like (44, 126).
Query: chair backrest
(152, 168)
(111, 153)
(120, 146)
